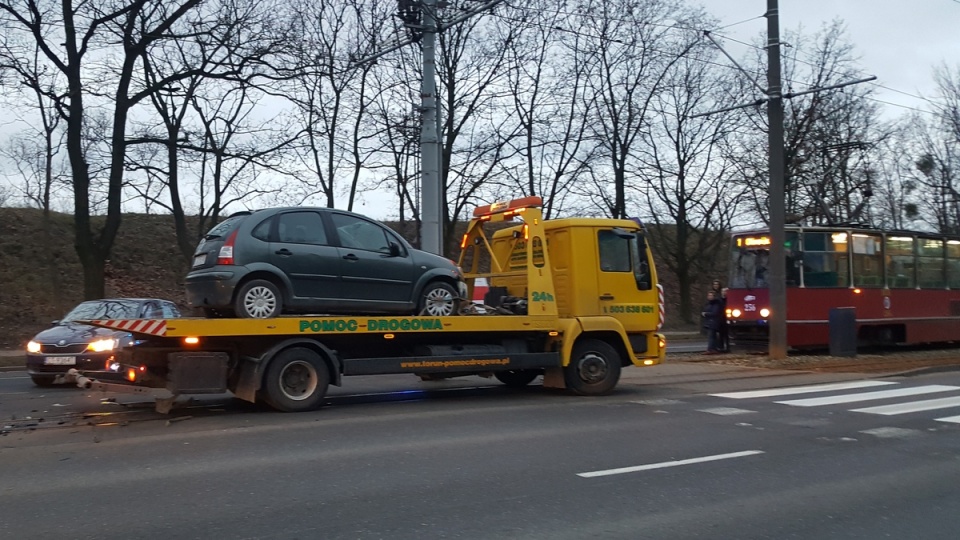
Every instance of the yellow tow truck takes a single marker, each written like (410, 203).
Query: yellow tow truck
(574, 300)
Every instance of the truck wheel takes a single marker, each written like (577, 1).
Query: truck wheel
(438, 300)
(517, 378)
(258, 299)
(594, 368)
(296, 380)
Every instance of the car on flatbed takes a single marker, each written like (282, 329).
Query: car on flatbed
(265, 263)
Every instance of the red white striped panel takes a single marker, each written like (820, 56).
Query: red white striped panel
(662, 307)
(153, 327)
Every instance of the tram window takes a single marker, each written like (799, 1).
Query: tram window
(930, 263)
(867, 260)
(953, 264)
(825, 259)
(901, 262)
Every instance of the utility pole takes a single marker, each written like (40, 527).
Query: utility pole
(431, 185)
(777, 278)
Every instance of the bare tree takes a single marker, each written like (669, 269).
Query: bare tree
(76, 39)
(546, 142)
(828, 135)
(896, 199)
(332, 93)
(633, 45)
(233, 44)
(470, 68)
(38, 163)
(690, 190)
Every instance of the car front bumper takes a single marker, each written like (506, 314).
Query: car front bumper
(40, 364)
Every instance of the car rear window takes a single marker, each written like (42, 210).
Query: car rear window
(225, 226)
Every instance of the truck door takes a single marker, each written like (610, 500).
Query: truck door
(625, 280)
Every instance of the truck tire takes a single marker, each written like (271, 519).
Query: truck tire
(517, 378)
(296, 380)
(438, 300)
(258, 299)
(594, 368)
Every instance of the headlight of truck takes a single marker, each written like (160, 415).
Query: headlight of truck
(33, 347)
(102, 345)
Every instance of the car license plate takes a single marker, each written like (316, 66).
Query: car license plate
(199, 260)
(60, 360)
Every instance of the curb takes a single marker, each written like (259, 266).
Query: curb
(922, 371)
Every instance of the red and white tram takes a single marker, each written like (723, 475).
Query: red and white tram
(903, 286)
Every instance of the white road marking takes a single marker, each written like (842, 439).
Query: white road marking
(656, 402)
(868, 396)
(786, 391)
(666, 464)
(892, 433)
(726, 411)
(951, 419)
(912, 406)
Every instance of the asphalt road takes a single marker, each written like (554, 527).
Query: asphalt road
(678, 451)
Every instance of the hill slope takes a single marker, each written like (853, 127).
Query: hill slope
(41, 278)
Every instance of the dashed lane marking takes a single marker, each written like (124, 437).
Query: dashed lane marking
(726, 411)
(666, 464)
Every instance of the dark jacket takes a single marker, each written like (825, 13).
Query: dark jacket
(713, 314)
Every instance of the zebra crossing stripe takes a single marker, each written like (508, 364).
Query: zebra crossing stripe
(913, 406)
(868, 396)
(786, 391)
(951, 419)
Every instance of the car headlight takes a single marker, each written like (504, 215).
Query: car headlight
(102, 345)
(764, 313)
(33, 347)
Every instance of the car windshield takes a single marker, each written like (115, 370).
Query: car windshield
(104, 309)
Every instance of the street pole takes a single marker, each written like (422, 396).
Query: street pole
(431, 232)
(777, 275)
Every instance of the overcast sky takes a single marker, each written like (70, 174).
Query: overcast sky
(898, 41)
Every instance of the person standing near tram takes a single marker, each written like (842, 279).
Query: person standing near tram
(723, 337)
(712, 319)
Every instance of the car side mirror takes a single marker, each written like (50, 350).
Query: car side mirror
(394, 249)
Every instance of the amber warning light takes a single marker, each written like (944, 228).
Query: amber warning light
(504, 206)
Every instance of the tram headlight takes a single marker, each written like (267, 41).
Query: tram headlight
(764, 313)
(736, 313)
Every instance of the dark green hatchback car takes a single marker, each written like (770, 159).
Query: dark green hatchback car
(317, 260)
